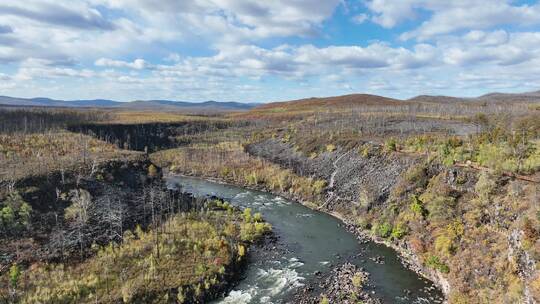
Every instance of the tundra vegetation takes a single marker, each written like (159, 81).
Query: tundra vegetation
(453, 184)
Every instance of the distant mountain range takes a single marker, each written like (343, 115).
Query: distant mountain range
(346, 100)
(136, 105)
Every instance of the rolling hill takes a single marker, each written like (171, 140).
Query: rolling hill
(368, 102)
(341, 101)
(375, 100)
(528, 97)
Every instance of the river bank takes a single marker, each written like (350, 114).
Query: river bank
(112, 233)
(358, 254)
(281, 171)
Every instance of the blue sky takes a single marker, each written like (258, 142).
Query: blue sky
(261, 51)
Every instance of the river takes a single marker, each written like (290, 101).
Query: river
(315, 241)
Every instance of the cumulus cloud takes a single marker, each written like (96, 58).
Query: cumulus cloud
(499, 47)
(481, 15)
(451, 16)
(137, 64)
(389, 13)
(299, 62)
(205, 47)
(233, 19)
(38, 68)
(72, 15)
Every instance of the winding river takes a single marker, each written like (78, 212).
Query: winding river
(313, 242)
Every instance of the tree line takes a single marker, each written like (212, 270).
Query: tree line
(37, 120)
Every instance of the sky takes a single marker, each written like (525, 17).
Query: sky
(271, 50)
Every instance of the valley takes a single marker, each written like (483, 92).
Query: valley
(449, 188)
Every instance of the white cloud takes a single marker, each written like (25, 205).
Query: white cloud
(137, 64)
(388, 13)
(377, 65)
(231, 20)
(499, 47)
(173, 57)
(359, 19)
(130, 80)
(58, 13)
(228, 47)
(487, 38)
(299, 62)
(4, 77)
(451, 16)
(38, 68)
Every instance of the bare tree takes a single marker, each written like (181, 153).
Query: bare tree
(78, 211)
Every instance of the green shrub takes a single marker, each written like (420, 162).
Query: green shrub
(15, 214)
(434, 262)
(286, 138)
(423, 143)
(492, 156)
(358, 280)
(7, 217)
(324, 300)
(241, 250)
(438, 199)
(391, 145)
(417, 206)
(532, 163)
(398, 232)
(383, 230)
(14, 275)
(257, 217)
(444, 245)
(252, 178)
(365, 151)
(318, 186)
(252, 231)
(247, 215)
(152, 171)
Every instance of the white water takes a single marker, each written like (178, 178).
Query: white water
(313, 242)
(267, 284)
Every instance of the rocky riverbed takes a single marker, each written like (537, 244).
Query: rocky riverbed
(303, 260)
(356, 185)
(346, 283)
